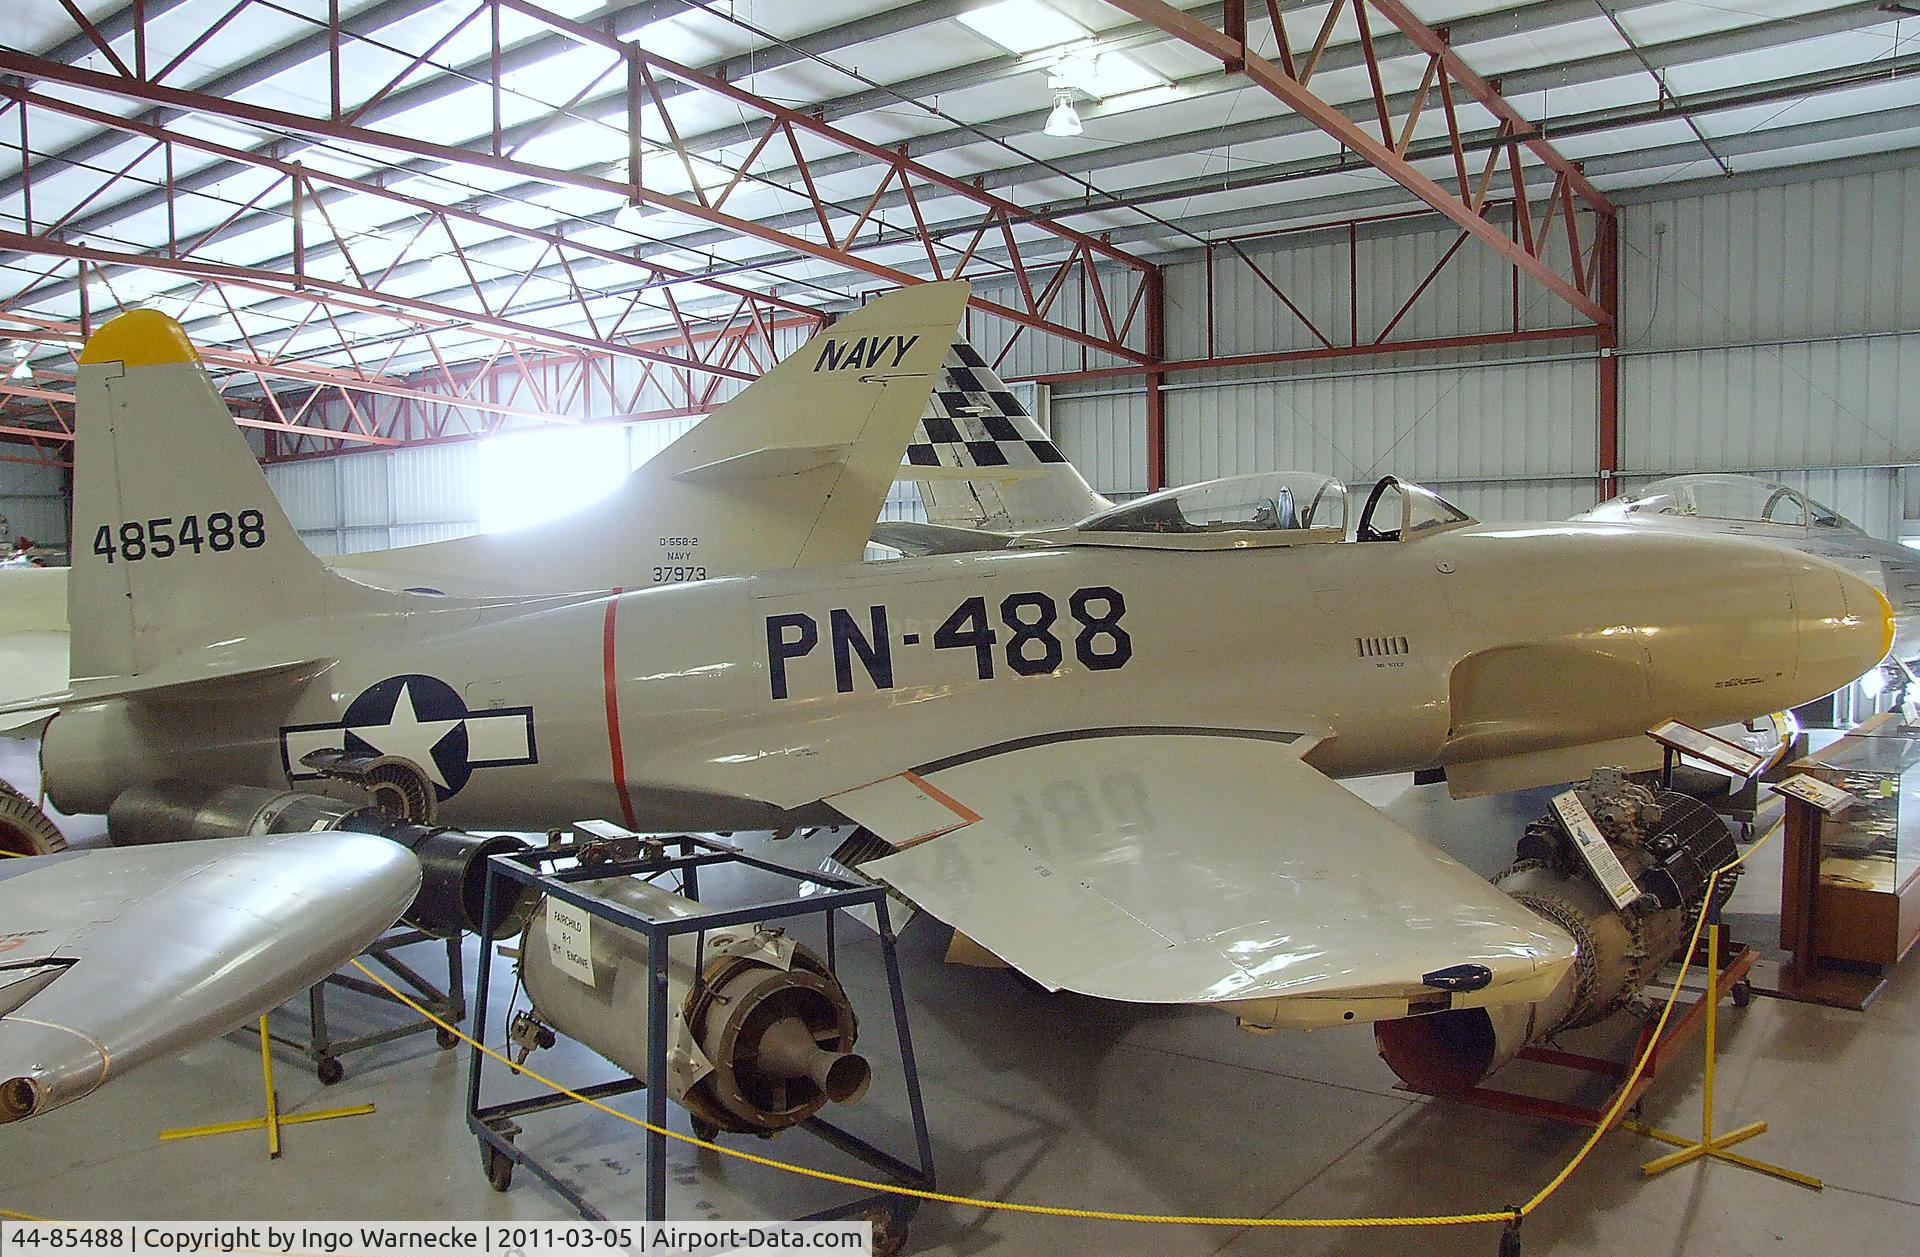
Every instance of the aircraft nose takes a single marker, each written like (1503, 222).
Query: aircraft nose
(1844, 623)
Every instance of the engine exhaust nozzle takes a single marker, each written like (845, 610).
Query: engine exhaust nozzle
(788, 1050)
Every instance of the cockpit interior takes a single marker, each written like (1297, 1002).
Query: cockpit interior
(1268, 508)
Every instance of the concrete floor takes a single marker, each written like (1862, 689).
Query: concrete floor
(1063, 1100)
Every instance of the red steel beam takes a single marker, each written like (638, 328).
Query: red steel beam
(362, 300)
(894, 158)
(1379, 154)
(1576, 332)
(655, 272)
(1607, 402)
(1429, 41)
(1156, 398)
(278, 120)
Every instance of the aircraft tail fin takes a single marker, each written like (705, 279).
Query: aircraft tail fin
(987, 463)
(791, 472)
(178, 540)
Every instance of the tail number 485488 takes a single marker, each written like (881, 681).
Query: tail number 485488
(218, 531)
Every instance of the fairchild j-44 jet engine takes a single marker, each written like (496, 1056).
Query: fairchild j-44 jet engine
(1668, 844)
(760, 1034)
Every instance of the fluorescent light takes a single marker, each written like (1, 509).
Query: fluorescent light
(1024, 25)
(1065, 119)
(523, 478)
(1103, 74)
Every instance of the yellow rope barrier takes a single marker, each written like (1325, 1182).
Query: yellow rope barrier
(1509, 1215)
(1660, 1027)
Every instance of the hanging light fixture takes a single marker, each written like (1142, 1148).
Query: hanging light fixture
(21, 369)
(1064, 121)
(630, 216)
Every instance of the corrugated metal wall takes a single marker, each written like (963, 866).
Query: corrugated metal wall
(1774, 329)
(34, 505)
(1770, 329)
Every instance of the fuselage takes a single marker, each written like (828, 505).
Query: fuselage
(740, 703)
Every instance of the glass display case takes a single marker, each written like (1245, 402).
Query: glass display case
(1850, 893)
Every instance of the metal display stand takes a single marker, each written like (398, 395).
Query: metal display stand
(496, 1125)
(1731, 963)
(324, 1051)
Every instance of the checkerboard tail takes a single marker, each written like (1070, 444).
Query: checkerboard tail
(988, 463)
(178, 540)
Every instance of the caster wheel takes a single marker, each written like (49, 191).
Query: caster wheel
(447, 1039)
(330, 1070)
(889, 1237)
(706, 1131)
(1742, 993)
(498, 1166)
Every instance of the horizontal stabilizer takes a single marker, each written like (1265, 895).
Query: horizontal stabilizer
(198, 680)
(970, 475)
(913, 538)
(788, 473)
(766, 463)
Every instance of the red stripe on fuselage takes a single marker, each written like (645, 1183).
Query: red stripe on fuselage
(613, 714)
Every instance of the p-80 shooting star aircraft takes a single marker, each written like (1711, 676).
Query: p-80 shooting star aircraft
(1104, 753)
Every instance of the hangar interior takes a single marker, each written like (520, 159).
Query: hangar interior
(457, 266)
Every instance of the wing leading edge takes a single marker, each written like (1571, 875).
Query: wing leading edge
(1213, 868)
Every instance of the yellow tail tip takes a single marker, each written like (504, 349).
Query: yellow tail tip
(139, 338)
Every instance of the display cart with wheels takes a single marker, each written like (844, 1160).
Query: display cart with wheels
(320, 1046)
(558, 871)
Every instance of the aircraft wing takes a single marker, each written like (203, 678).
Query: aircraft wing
(1171, 867)
(111, 958)
(910, 537)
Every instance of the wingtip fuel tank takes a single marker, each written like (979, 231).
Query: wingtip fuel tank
(295, 906)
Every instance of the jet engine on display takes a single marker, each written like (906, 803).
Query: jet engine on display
(1667, 845)
(762, 1033)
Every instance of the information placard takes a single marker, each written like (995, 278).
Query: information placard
(570, 939)
(1722, 754)
(1824, 795)
(1601, 861)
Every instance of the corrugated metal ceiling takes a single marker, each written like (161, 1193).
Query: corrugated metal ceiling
(1648, 91)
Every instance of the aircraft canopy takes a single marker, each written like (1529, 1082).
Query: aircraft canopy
(1746, 498)
(1273, 508)
(1309, 505)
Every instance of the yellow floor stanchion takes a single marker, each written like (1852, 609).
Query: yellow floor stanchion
(274, 1119)
(1709, 1145)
